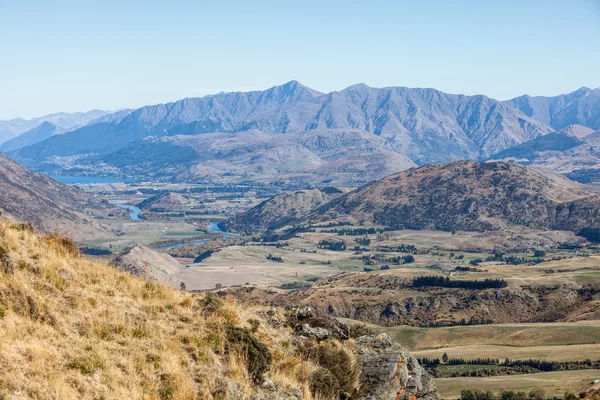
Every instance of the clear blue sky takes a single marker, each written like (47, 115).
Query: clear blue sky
(73, 55)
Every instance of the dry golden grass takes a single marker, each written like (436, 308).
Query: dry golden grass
(73, 328)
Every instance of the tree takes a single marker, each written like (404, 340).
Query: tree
(537, 394)
(569, 396)
(539, 253)
(467, 395)
(445, 358)
(218, 286)
(409, 259)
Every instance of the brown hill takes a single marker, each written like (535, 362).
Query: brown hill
(154, 265)
(467, 195)
(166, 202)
(281, 210)
(26, 195)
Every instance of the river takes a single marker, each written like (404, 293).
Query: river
(134, 212)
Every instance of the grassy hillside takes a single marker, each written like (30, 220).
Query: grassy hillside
(72, 328)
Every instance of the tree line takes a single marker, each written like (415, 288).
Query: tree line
(441, 281)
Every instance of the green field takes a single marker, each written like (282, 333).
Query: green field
(553, 383)
(519, 335)
(575, 352)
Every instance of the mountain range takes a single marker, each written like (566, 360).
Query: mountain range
(294, 133)
(18, 133)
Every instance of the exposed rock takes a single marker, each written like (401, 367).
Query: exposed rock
(318, 325)
(390, 372)
(308, 331)
(65, 274)
(149, 263)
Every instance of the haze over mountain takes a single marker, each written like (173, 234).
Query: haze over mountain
(581, 107)
(65, 121)
(61, 123)
(294, 125)
(296, 133)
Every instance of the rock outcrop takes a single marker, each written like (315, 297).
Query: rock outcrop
(387, 371)
(151, 264)
(390, 372)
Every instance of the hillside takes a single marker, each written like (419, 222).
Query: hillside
(280, 210)
(73, 328)
(145, 262)
(48, 205)
(291, 125)
(466, 195)
(167, 201)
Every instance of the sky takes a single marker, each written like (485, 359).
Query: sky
(77, 55)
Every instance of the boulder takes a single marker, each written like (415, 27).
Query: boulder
(390, 372)
(317, 324)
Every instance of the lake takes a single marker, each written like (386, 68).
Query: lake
(85, 180)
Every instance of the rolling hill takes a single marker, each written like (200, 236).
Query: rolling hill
(277, 211)
(466, 195)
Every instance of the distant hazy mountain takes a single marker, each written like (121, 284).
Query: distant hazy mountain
(35, 135)
(359, 133)
(581, 107)
(574, 150)
(47, 129)
(64, 121)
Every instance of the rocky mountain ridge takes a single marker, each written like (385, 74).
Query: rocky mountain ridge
(394, 127)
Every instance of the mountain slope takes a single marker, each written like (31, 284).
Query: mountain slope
(48, 205)
(467, 195)
(73, 328)
(418, 125)
(281, 210)
(581, 107)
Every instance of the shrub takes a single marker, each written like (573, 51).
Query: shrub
(6, 264)
(23, 227)
(323, 384)
(62, 244)
(257, 355)
(336, 361)
(210, 303)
